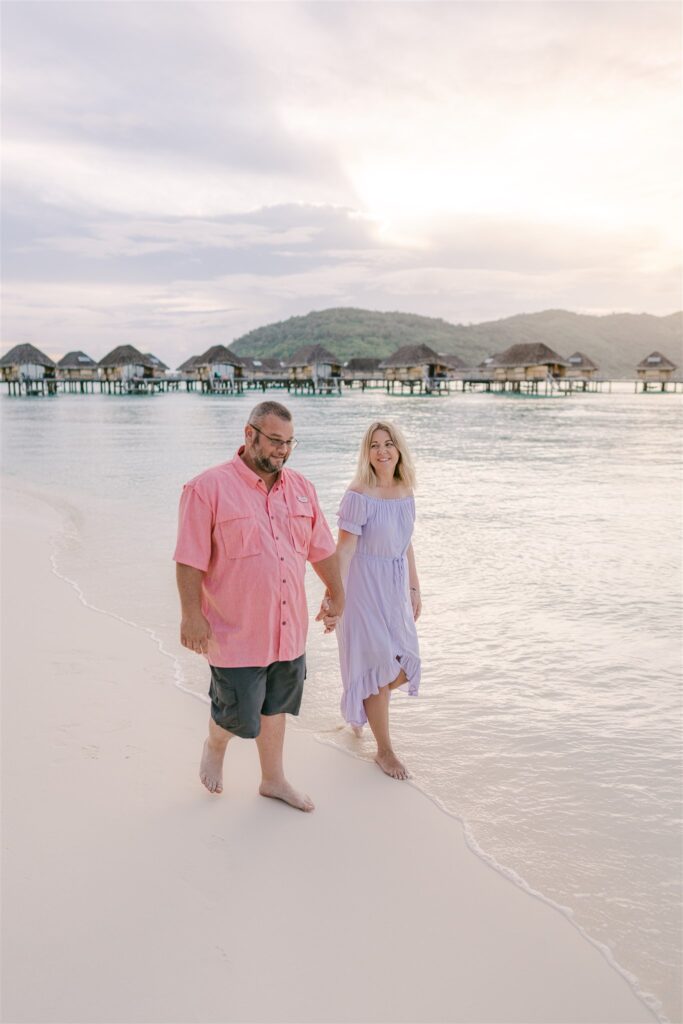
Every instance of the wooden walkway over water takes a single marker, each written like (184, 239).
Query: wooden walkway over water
(428, 387)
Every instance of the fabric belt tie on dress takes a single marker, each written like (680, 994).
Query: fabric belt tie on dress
(398, 566)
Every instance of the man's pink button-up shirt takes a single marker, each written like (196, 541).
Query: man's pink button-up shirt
(252, 545)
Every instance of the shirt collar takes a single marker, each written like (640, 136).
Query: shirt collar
(248, 475)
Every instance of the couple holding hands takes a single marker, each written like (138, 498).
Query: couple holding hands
(246, 530)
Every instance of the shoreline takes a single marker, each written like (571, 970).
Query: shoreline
(117, 749)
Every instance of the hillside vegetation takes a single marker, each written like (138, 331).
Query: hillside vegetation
(616, 342)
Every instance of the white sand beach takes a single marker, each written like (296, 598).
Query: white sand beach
(131, 895)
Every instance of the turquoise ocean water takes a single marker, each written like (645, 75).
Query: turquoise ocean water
(548, 540)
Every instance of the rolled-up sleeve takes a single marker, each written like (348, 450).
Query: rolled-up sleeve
(353, 513)
(322, 542)
(195, 526)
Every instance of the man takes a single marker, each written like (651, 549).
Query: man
(246, 529)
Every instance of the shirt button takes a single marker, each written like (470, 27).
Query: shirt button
(284, 602)
(284, 623)
(284, 581)
(282, 559)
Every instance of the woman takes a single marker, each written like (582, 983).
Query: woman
(378, 648)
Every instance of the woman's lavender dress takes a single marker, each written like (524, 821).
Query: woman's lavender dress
(376, 634)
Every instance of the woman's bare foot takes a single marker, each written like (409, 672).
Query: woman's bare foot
(283, 791)
(211, 768)
(357, 731)
(391, 765)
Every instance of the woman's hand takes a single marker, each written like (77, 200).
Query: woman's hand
(416, 602)
(328, 615)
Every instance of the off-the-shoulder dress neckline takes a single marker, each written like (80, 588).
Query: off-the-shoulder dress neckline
(409, 497)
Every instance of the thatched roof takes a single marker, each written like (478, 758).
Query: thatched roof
(76, 361)
(124, 355)
(358, 364)
(309, 354)
(452, 361)
(579, 361)
(533, 353)
(656, 361)
(261, 363)
(412, 355)
(189, 364)
(218, 354)
(155, 361)
(25, 354)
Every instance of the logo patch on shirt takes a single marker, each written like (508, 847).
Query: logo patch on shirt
(301, 497)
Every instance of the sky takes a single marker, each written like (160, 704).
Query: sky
(176, 174)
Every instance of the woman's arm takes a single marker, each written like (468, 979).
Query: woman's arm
(346, 549)
(346, 546)
(414, 583)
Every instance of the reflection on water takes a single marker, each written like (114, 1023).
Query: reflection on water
(548, 546)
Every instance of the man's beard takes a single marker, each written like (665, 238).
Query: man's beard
(264, 463)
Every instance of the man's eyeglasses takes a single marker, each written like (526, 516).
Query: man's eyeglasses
(277, 442)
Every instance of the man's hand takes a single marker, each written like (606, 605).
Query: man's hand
(329, 614)
(195, 633)
(333, 602)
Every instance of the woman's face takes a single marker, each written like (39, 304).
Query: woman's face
(383, 453)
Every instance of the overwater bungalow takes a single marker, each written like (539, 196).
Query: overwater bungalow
(26, 363)
(655, 369)
(362, 368)
(314, 363)
(189, 368)
(158, 368)
(77, 366)
(260, 368)
(455, 366)
(580, 367)
(414, 363)
(528, 361)
(124, 363)
(218, 364)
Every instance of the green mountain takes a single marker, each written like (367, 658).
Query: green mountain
(616, 342)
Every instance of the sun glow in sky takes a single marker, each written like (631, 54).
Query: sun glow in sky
(194, 170)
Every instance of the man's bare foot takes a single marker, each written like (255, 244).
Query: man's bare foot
(283, 791)
(391, 765)
(211, 768)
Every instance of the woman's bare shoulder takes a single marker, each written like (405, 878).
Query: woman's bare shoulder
(393, 494)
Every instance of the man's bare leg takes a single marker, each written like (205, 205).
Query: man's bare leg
(211, 766)
(377, 710)
(270, 742)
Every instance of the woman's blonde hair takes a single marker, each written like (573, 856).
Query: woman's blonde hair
(405, 468)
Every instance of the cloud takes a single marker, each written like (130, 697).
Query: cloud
(181, 171)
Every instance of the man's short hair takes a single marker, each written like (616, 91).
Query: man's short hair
(264, 409)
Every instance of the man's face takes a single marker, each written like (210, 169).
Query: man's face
(262, 443)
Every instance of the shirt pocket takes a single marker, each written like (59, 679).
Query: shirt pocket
(240, 536)
(301, 528)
